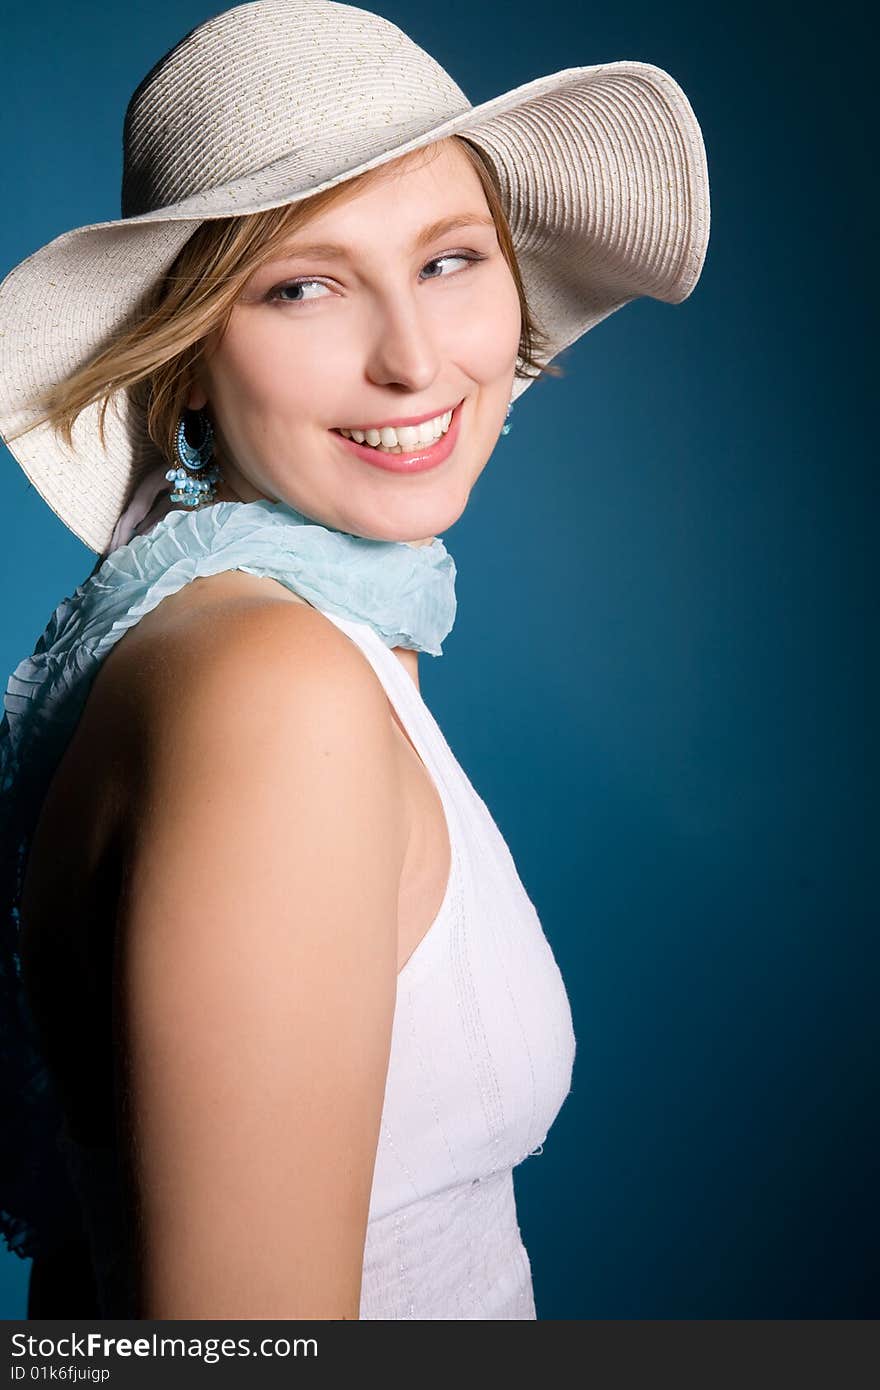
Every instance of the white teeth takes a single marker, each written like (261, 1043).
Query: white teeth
(406, 437)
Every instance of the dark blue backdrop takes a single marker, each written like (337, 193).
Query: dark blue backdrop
(658, 679)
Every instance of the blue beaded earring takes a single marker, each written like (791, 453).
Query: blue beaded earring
(505, 428)
(187, 490)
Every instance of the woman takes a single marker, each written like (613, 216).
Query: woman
(289, 1018)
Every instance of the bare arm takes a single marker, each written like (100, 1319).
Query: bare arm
(257, 968)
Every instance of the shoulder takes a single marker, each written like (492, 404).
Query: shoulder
(232, 634)
(214, 614)
(236, 668)
(261, 736)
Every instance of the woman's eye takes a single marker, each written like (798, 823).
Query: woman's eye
(281, 292)
(452, 256)
(295, 285)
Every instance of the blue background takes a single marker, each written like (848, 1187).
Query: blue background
(658, 678)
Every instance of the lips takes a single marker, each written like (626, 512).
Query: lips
(419, 460)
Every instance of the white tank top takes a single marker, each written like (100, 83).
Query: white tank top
(482, 1054)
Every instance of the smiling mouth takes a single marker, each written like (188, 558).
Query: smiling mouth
(402, 439)
(408, 458)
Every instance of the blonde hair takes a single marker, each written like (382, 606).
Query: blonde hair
(156, 356)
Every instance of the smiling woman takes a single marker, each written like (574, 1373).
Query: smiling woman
(196, 328)
(280, 1018)
(392, 334)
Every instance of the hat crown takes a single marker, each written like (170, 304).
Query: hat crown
(304, 81)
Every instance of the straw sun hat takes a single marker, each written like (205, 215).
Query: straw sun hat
(602, 172)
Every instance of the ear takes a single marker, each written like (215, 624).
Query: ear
(197, 399)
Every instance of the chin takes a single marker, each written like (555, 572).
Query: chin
(388, 519)
(420, 531)
(419, 521)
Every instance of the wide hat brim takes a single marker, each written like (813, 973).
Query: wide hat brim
(603, 178)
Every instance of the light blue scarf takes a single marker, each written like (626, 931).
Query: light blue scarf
(405, 593)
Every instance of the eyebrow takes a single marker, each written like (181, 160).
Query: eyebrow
(330, 250)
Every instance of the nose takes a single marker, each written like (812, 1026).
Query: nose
(403, 351)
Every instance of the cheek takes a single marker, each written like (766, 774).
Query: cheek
(264, 364)
(489, 338)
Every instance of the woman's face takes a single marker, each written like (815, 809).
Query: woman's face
(403, 320)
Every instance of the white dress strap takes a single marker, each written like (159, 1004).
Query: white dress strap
(431, 746)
